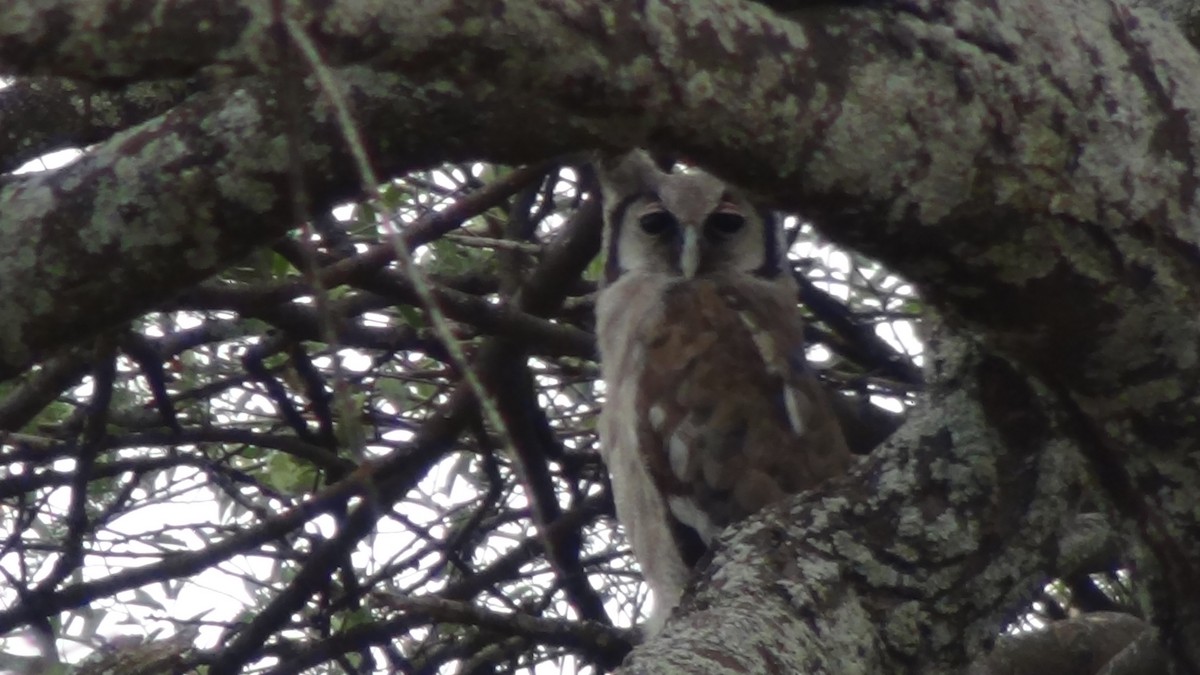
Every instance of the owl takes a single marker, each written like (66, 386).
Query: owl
(710, 411)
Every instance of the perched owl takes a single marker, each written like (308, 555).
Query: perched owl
(711, 413)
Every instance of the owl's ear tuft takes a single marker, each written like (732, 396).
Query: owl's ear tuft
(626, 174)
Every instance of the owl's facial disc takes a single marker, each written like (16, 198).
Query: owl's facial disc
(691, 226)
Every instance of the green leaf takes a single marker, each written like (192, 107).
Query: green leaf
(412, 316)
(287, 475)
(279, 265)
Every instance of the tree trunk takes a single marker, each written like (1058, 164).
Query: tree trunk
(1030, 165)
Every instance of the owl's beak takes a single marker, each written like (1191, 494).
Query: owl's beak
(689, 256)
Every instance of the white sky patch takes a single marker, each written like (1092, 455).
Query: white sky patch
(50, 161)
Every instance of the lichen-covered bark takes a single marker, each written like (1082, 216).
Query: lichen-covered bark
(146, 213)
(41, 115)
(180, 196)
(1075, 646)
(1031, 165)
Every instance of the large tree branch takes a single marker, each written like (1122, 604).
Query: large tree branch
(1080, 646)
(40, 115)
(158, 208)
(1030, 165)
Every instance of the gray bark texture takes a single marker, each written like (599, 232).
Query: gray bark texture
(1030, 165)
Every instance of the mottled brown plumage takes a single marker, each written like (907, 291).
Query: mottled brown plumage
(711, 412)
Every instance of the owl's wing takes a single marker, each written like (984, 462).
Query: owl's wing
(730, 419)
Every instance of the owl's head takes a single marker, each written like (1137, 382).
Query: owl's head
(682, 224)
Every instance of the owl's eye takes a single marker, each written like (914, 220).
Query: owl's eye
(724, 223)
(657, 223)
